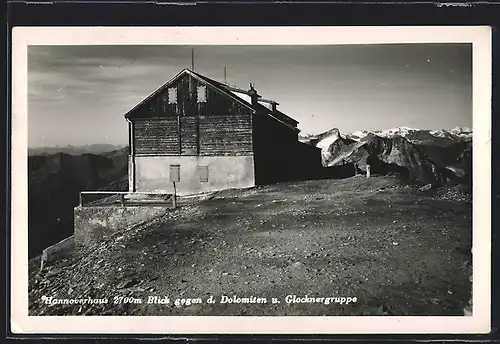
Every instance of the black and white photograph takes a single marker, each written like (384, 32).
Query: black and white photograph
(322, 180)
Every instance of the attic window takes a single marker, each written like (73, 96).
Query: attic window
(172, 95)
(202, 94)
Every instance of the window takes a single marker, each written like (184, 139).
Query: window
(172, 95)
(202, 94)
(175, 173)
(203, 173)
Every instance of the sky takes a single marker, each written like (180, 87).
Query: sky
(77, 95)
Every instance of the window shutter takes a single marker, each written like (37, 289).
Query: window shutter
(175, 175)
(172, 95)
(201, 94)
(203, 173)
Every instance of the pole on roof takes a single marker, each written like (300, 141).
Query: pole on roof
(192, 60)
(225, 75)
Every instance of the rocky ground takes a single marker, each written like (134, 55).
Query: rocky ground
(392, 249)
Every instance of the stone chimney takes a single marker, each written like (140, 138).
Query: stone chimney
(253, 95)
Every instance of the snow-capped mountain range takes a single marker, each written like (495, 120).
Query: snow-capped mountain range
(324, 140)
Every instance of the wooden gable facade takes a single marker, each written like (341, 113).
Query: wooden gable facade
(188, 116)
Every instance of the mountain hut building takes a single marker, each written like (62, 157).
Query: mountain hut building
(208, 136)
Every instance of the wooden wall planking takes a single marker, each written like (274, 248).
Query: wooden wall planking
(204, 135)
(156, 136)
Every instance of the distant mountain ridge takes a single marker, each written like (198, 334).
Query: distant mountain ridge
(75, 150)
(416, 135)
(459, 132)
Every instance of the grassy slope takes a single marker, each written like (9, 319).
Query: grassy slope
(398, 250)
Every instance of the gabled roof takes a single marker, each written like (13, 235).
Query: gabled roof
(242, 97)
(225, 90)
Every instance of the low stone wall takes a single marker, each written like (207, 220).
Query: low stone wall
(92, 224)
(58, 250)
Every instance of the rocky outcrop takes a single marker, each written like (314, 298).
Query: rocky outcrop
(420, 155)
(386, 155)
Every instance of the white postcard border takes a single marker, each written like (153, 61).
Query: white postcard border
(479, 322)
